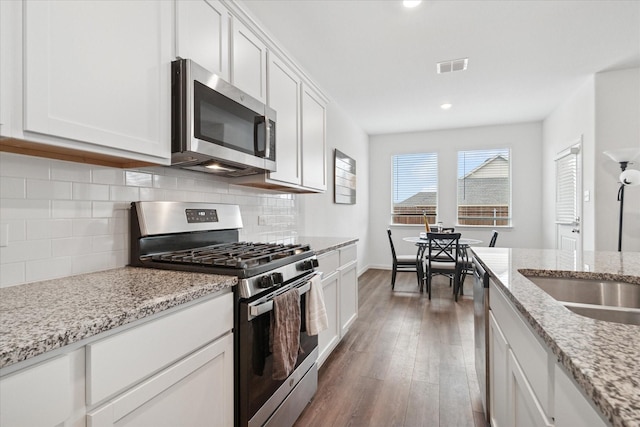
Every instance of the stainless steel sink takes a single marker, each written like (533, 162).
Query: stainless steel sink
(608, 300)
(629, 316)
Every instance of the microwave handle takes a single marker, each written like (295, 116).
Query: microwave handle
(260, 121)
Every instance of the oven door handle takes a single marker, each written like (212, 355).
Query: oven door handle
(257, 310)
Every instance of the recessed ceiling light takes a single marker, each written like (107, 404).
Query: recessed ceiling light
(446, 106)
(411, 3)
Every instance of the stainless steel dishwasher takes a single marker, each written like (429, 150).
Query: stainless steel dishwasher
(481, 331)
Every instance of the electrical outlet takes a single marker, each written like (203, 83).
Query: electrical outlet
(4, 235)
(262, 220)
(587, 195)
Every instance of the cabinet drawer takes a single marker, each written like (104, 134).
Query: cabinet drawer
(122, 360)
(37, 396)
(329, 262)
(348, 254)
(532, 357)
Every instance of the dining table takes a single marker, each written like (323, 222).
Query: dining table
(422, 244)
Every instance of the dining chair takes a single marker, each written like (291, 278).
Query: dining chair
(403, 263)
(443, 257)
(494, 237)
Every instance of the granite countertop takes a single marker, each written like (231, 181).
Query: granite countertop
(322, 245)
(603, 357)
(39, 317)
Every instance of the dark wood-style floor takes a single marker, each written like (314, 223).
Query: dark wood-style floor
(406, 361)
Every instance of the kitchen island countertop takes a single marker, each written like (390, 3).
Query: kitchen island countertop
(602, 357)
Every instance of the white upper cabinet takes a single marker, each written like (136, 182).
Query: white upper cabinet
(284, 97)
(314, 162)
(97, 76)
(202, 34)
(248, 62)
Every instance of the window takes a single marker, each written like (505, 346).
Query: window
(415, 188)
(484, 187)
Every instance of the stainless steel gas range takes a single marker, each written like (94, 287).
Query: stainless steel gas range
(204, 237)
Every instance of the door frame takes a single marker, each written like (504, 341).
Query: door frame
(573, 227)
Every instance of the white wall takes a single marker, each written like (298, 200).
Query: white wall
(605, 111)
(570, 121)
(320, 215)
(617, 125)
(525, 142)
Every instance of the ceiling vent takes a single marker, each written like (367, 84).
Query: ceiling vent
(452, 65)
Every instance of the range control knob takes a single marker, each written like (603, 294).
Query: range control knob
(308, 264)
(270, 280)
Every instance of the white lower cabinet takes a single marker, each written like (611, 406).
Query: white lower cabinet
(196, 391)
(340, 286)
(38, 396)
(572, 408)
(498, 353)
(175, 369)
(528, 386)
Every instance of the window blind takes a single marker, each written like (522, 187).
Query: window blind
(566, 188)
(484, 187)
(415, 187)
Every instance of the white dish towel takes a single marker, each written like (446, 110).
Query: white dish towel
(316, 313)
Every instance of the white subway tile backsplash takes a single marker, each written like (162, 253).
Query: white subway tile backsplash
(111, 176)
(12, 274)
(70, 209)
(16, 230)
(24, 209)
(13, 188)
(71, 246)
(119, 193)
(49, 228)
(25, 250)
(67, 218)
(50, 268)
(152, 194)
(68, 171)
(50, 190)
(91, 227)
(94, 262)
(83, 191)
(167, 182)
(138, 179)
(24, 166)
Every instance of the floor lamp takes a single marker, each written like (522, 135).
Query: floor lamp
(628, 177)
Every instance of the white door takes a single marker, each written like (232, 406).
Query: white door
(568, 198)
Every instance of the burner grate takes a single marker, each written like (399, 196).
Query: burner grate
(241, 255)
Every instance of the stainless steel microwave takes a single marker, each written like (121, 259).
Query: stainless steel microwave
(217, 128)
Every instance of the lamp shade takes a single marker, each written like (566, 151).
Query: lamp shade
(623, 154)
(630, 177)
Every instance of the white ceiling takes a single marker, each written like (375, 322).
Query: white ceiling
(377, 59)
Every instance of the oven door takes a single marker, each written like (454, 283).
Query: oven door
(259, 395)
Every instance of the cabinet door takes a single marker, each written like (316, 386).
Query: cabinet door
(37, 396)
(248, 62)
(97, 74)
(314, 163)
(329, 338)
(284, 97)
(571, 407)
(194, 392)
(202, 34)
(498, 347)
(348, 296)
(523, 406)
